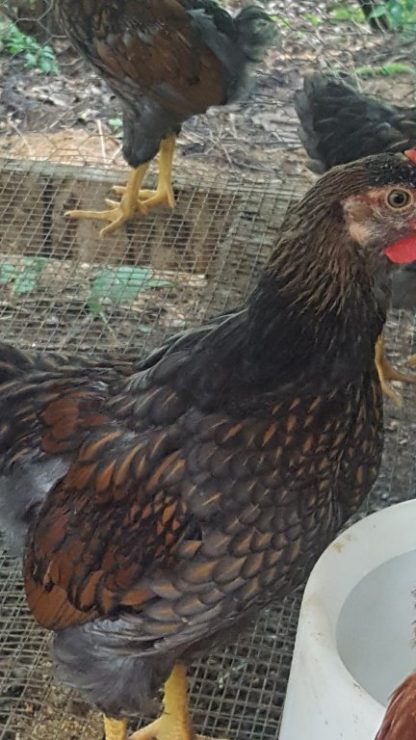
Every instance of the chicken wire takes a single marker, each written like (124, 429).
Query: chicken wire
(62, 287)
(204, 257)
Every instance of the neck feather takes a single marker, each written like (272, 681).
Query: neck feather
(314, 317)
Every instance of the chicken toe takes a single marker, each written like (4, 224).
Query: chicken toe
(118, 213)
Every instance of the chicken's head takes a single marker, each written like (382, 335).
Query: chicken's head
(384, 215)
(257, 31)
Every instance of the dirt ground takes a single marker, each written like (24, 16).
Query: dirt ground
(73, 117)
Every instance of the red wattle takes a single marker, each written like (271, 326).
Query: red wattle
(403, 251)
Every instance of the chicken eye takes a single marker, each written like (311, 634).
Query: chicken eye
(398, 199)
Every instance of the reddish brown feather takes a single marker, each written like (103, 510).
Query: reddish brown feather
(88, 554)
(399, 722)
(66, 417)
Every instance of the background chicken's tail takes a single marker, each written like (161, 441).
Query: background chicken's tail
(340, 124)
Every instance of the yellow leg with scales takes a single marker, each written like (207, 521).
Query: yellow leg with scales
(115, 729)
(118, 213)
(163, 195)
(174, 722)
(387, 372)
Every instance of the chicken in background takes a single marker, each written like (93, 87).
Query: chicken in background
(166, 60)
(159, 505)
(339, 124)
(399, 722)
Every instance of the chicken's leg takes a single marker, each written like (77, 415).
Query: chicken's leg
(174, 723)
(118, 213)
(115, 729)
(387, 372)
(163, 195)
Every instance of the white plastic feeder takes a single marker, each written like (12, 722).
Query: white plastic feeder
(355, 640)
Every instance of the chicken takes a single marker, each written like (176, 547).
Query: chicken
(160, 504)
(338, 125)
(166, 60)
(399, 722)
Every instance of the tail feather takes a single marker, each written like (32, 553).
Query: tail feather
(340, 124)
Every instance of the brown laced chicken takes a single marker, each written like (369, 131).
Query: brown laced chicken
(160, 504)
(399, 722)
(166, 60)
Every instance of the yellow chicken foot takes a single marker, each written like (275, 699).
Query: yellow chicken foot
(163, 195)
(115, 729)
(174, 723)
(118, 213)
(387, 372)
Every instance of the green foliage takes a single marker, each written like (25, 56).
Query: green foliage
(116, 124)
(400, 13)
(350, 13)
(121, 285)
(36, 56)
(385, 70)
(314, 20)
(22, 278)
(281, 20)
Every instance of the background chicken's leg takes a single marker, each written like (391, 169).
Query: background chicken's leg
(387, 372)
(163, 195)
(118, 213)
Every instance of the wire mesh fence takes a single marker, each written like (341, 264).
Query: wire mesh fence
(236, 171)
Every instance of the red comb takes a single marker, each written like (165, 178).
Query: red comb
(410, 154)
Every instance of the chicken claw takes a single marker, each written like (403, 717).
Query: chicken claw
(387, 372)
(118, 213)
(163, 728)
